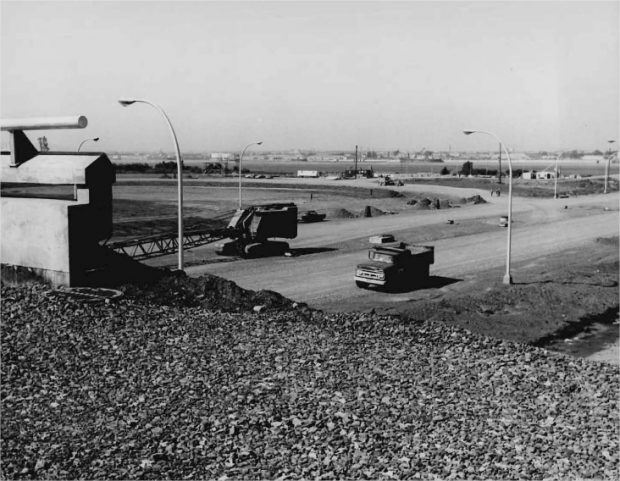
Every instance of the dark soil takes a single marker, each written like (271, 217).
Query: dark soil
(542, 305)
(137, 218)
(424, 203)
(338, 189)
(341, 214)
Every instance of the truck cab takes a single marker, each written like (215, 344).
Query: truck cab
(392, 266)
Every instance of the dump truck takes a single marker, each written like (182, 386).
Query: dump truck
(252, 230)
(395, 266)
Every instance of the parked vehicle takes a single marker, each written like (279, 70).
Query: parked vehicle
(381, 239)
(391, 267)
(312, 216)
(387, 180)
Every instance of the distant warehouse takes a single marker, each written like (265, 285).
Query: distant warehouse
(533, 175)
(224, 156)
(307, 173)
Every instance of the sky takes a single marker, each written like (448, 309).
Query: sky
(315, 75)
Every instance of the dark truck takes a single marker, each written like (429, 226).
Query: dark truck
(395, 266)
(312, 216)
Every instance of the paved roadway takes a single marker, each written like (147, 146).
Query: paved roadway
(541, 226)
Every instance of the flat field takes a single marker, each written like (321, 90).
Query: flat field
(148, 206)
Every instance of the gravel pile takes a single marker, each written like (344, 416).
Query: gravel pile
(474, 199)
(342, 213)
(422, 203)
(211, 292)
(372, 211)
(131, 389)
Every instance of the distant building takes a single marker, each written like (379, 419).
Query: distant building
(545, 175)
(224, 156)
(307, 173)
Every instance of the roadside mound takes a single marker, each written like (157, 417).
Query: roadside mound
(426, 203)
(372, 211)
(342, 214)
(474, 199)
(422, 204)
(207, 291)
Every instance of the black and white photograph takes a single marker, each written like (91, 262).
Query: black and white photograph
(309, 240)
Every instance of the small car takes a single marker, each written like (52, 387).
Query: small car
(381, 239)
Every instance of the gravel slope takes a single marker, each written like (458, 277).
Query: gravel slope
(174, 389)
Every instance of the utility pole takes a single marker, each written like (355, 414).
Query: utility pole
(356, 161)
(607, 164)
(499, 173)
(43, 147)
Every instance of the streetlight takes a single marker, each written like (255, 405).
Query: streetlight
(126, 103)
(507, 276)
(259, 142)
(555, 186)
(607, 164)
(96, 139)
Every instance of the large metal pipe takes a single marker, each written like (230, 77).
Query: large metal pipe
(44, 123)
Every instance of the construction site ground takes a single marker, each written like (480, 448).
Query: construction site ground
(564, 254)
(194, 377)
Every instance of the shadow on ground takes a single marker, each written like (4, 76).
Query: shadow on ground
(117, 269)
(304, 251)
(433, 282)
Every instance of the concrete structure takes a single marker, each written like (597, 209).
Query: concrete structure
(55, 208)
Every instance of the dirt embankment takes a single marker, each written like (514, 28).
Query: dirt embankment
(526, 188)
(424, 203)
(548, 303)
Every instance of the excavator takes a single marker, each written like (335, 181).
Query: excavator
(249, 233)
(252, 231)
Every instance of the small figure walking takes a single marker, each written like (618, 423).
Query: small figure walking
(492, 193)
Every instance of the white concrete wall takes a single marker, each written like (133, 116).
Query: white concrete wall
(35, 233)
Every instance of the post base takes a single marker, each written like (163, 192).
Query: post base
(507, 279)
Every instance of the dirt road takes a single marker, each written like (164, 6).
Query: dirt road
(564, 279)
(540, 227)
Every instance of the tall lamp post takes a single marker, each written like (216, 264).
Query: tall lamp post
(607, 164)
(555, 186)
(507, 275)
(126, 103)
(96, 139)
(259, 142)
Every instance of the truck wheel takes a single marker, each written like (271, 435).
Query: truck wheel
(361, 284)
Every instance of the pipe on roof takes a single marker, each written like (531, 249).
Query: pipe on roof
(44, 123)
